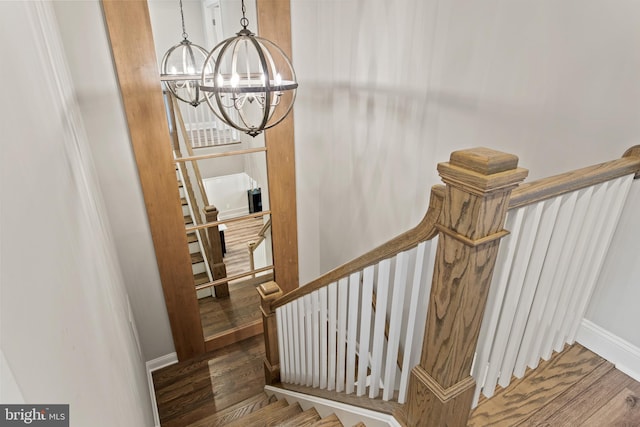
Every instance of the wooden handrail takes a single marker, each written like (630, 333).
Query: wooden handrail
(425, 230)
(187, 143)
(557, 185)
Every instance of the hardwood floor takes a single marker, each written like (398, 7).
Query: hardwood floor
(573, 388)
(242, 307)
(195, 389)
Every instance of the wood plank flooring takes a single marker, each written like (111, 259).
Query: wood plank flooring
(242, 308)
(195, 389)
(573, 388)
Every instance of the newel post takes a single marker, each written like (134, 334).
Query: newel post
(216, 262)
(269, 292)
(478, 186)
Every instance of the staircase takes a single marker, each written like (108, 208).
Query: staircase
(200, 274)
(265, 410)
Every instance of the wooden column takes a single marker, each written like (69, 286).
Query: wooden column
(269, 292)
(478, 185)
(274, 24)
(129, 29)
(216, 262)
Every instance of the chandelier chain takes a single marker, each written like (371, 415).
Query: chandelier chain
(184, 31)
(243, 21)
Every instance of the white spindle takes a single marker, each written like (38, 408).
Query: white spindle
(308, 341)
(333, 329)
(303, 341)
(577, 261)
(352, 330)
(343, 287)
(487, 370)
(281, 340)
(546, 295)
(384, 268)
(411, 322)
(617, 192)
(399, 284)
(547, 212)
(295, 319)
(365, 329)
(564, 265)
(315, 323)
(323, 337)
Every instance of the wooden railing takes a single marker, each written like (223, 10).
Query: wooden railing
(200, 209)
(480, 201)
(253, 245)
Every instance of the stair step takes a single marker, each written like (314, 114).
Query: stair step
(196, 257)
(303, 419)
(183, 201)
(272, 414)
(360, 424)
(188, 220)
(236, 411)
(201, 278)
(192, 238)
(330, 421)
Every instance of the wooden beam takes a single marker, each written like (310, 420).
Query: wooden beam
(133, 52)
(479, 184)
(274, 24)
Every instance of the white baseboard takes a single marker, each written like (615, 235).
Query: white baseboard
(348, 414)
(624, 355)
(154, 365)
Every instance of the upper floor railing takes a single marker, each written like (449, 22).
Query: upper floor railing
(410, 320)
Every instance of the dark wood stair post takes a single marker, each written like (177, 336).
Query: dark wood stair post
(269, 292)
(216, 262)
(478, 186)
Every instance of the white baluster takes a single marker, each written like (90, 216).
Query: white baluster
(382, 291)
(483, 361)
(282, 337)
(411, 321)
(343, 287)
(323, 337)
(295, 319)
(333, 330)
(617, 191)
(308, 340)
(575, 211)
(395, 320)
(352, 330)
(315, 323)
(365, 329)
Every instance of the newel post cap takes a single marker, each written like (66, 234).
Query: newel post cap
(482, 170)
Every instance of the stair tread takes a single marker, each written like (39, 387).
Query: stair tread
(236, 411)
(188, 220)
(191, 237)
(201, 278)
(263, 416)
(303, 419)
(360, 424)
(330, 421)
(183, 201)
(196, 257)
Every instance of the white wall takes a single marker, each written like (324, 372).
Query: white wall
(389, 90)
(98, 95)
(66, 333)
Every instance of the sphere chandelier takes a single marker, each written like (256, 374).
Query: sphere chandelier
(181, 68)
(249, 82)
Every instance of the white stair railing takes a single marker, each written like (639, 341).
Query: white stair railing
(204, 129)
(334, 339)
(545, 275)
(359, 328)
